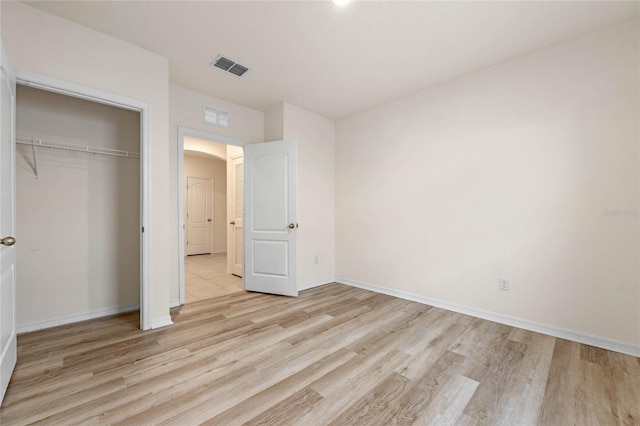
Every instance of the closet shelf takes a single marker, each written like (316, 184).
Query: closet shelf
(73, 147)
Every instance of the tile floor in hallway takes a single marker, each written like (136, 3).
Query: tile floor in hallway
(206, 277)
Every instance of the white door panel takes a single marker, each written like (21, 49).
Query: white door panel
(270, 258)
(270, 217)
(8, 341)
(199, 219)
(270, 176)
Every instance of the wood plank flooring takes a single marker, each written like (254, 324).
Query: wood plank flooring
(334, 356)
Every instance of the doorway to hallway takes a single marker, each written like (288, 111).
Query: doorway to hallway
(209, 199)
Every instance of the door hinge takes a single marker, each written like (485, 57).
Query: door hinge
(143, 229)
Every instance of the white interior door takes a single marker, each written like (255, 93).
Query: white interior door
(199, 219)
(237, 208)
(270, 217)
(8, 341)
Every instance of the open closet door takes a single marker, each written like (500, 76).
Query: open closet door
(8, 347)
(270, 226)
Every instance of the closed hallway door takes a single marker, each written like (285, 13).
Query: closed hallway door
(237, 208)
(199, 215)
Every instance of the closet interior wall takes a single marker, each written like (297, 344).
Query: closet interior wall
(78, 251)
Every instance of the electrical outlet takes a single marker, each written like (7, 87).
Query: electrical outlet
(504, 284)
(316, 260)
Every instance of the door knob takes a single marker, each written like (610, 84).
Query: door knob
(208, 220)
(8, 241)
(292, 225)
(232, 223)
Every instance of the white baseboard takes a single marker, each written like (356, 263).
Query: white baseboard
(563, 333)
(317, 283)
(40, 325)
(161, 322)
(173, 303)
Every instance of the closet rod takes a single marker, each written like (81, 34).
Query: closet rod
(72, 147)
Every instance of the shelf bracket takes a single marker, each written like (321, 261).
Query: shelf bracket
(35, 160)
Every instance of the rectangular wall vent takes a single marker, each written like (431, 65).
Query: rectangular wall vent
(215, 116)
(228, 65)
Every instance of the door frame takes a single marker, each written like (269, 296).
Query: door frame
(211, 137)
(211, 206)
(63, 87)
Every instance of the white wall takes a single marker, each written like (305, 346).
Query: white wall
(245, 124)
(45, 44)
(78, 221)
(274, 123)
(233, 151)
(216, 169)
(508, 172)
(316, 193)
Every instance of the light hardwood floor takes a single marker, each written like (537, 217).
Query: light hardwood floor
(335, 355)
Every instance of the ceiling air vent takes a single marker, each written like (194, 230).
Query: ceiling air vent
(238, 70)
(228, 65)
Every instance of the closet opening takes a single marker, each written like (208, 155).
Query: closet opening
(80, 204)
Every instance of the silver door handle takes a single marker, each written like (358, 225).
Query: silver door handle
(8, 241)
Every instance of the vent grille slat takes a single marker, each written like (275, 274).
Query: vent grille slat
(224, 63)
(238, 70)
(229, 66)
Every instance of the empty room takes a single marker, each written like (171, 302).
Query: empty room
(320, 212)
